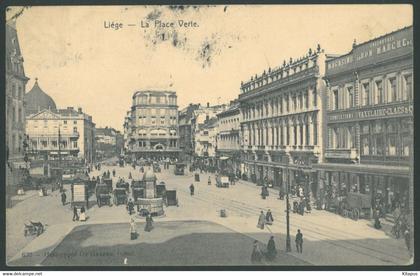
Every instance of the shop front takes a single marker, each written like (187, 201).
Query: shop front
(386, 186)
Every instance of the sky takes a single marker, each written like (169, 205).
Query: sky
(81, 61)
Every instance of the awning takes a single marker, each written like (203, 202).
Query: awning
(224, 157)
(365, 168)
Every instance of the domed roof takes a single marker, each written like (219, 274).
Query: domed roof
(37, 100)
(149, 175)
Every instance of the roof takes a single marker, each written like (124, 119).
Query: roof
(36, 99)
(155, 92)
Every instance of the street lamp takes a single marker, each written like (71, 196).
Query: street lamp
(288, 246)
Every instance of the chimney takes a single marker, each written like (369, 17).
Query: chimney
(79, 110)
(208, 104)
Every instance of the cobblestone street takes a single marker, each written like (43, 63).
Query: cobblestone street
(329, 239)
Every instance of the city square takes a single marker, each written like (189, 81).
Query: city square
(290, 157)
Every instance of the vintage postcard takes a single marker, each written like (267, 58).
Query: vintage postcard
(209, 135)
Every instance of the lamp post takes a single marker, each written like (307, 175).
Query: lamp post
(288, 246)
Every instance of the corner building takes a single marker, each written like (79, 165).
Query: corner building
(370, 122)
(282, 118)
(154, 125)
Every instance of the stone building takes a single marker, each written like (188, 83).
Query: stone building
(370, 122)
(185, 118)
(282, 120)
(154, 125)
(73, 128)
(229, 139)
(15, 110)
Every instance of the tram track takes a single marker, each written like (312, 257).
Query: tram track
(252, 210)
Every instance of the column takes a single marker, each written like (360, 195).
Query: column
(304, 133)
(275, 135)
(311, 131)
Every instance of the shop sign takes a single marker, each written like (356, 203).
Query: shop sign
(369, 113)
(383, 48)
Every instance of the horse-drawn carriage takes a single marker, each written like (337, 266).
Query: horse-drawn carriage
(222, 181)
(120, 196)
(103, 196)
(123, 184)
(108, 183)
(137, 189)
(356, 205)
(179, 168)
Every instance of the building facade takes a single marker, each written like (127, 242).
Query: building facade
(15, 111)
(185, 118)
(370, 122)
(206, 142)
(154, 125)
(282, 114)
(74, 129)
(108, 143)
(229, 140)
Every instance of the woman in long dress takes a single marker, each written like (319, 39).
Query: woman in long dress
(82, 214)
(261, 220)
(271, 249)
(256, 256)
(269, 217)
(133, 231)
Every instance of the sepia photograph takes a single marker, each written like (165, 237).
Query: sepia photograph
(169, 136)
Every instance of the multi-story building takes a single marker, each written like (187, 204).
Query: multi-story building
(229, 139)
(44, 127)
(282, 119)
(15, 110)
(108, 143)
(154, 125)
(370, 121)
(185, 118)
(201, 115)
(206, 142)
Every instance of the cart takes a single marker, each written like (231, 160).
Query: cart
(108, 183)
(222, 181)
(120, 196)
(103, 196)
(171, 198)
(137, 189)
(179, 169)
(357, 206)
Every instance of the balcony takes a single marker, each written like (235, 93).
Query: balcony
(392, 159)
(350, 154)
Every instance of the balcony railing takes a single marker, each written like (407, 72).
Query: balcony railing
(341, 153)
(384, 158)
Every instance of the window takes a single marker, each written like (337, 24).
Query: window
(314, 97)
(74, 122)
(335, 99)
(74, 129)
(75, 144)
(407, 92)
(350, 95)
(65, 122)
(380, 93)
(13, 114)
(378, 139)
(392, 92)
(54, 143)
(366, 93)
(158, 99)
(315, 129)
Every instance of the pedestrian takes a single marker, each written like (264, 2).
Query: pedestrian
(261, 220)
(377, 224)
(271, 249)
(299, 241)
(63, 198)
(149, 223)
(130, 176)
(130, 206)
(75, 214)
(133, 230)
(192, 189)
(83, 214)
(209, 181)
(256, 256)
(113, 172)
(269, 217)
